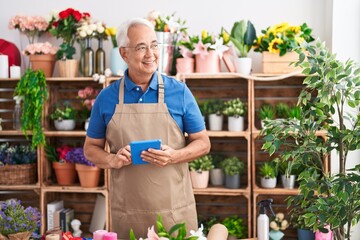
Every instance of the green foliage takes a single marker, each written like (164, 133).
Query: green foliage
(63, 112)
(32, 86)
(268, 170)
(331, 87)
(51, 153)
(217, 160)
(234, 107)
(213, 106)
(266, 111)
(242, 36)
(200, 164)
(232, 166)
(236, 226)
(295, 112)
(282, 110)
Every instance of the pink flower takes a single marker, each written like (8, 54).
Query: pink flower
(40, 48)
(201, 49)
(30, 26)
(185, 52)
(151, 234)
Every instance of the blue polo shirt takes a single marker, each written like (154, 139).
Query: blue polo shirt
(181, 104)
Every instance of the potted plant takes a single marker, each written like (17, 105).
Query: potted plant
(235, 109)
(185, 63)
(242, 36)
(89, 174)
(232, 167)
(64, 168)
(16, 221)
(297, 218)
(287, 173)
(217, 176)
(236, 227)
(266, 112)
(87, 95)
(214, 108)
(324, 109)
(64, 117)
(199, 171)
(268, 174)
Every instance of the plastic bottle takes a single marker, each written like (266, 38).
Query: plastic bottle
(263, 219)
(17, 113)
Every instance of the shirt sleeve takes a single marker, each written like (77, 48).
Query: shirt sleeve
(193, 119)
(97, 125)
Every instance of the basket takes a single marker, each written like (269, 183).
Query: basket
(18, 174)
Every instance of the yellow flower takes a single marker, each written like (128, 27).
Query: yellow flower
(299, 40)
(225, 35)
(110, 31)
(273, 45)
(279, 28)
(295, 29)
(204, 34)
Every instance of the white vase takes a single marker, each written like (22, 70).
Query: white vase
(199, 179)
(64, 125)
(288, 182)
(235, 124)
(86, 123)
(117, 63)
(244, 65)
(215, 122)
(268, 182)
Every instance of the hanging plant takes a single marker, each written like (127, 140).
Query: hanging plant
(32, 86)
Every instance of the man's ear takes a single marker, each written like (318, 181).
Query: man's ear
(123, 53)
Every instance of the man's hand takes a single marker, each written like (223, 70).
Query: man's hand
(121, 158)
(161, 157)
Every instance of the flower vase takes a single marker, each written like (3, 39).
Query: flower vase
(209, 63)
(65, 173)
(167, 43)
(117, 63)
(276, 235)
(68, 68)
(88, 175)
(100, 58)
(185, 65)
(24, 41)
(44, 62)
(88, 67)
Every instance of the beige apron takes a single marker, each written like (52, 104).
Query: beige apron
(140, 192)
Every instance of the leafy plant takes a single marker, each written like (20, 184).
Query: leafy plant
(268, 170)
(234, 107)
(242, 36)
(32, 86)
(266, 111)
(66, 111)
(200, 164)
(295, 112)
(282, 110)
(232, 166)
(217, 160)
(54, 154)
(236, 226)
(331, 86)
(213, 106)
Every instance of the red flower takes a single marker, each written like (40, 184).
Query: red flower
(66, 13)
(77, 15)
(86, 14)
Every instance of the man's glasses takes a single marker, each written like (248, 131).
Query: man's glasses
(142, 48)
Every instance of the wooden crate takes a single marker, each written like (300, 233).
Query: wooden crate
(273, 63)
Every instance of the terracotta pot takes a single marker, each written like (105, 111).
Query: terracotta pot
(185, 65)
(65, 173)
(43, 62)
(89, 176)
(68, 68)
(207, 64)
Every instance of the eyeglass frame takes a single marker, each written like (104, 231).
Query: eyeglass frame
(143, 48)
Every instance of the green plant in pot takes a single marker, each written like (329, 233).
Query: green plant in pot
(213, 108)
(217, 176)
(64, 117)
(266, 112)
(236, 227)
(235, 109)
(199, 171)
(282, 110)
(232, 167)
(331, 95)
(268, 174)
(243, 35)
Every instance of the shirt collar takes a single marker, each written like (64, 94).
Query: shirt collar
(130, 85)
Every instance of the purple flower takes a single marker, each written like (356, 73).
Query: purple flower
(76, 155)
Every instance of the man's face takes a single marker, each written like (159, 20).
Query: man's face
(141, 53)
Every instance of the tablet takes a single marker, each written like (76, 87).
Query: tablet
(137, 147)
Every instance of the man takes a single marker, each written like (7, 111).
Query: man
(146, 105)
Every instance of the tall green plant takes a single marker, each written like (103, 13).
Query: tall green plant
(32, 86)
(331, 89)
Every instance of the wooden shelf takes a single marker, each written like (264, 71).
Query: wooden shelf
(275, 191)
(74, 189)
(245, 134)
(13, 133)
(54, 133)
(35, 187)
(221, 191)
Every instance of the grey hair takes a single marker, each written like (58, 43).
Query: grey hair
(124, 28)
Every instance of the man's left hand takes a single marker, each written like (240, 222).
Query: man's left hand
(161, 157)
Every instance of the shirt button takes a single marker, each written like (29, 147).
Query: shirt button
(140, 100)
(137, 89)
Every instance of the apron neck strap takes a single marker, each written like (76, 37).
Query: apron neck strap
(160, 89)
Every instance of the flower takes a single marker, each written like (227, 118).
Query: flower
(40, 49)
(30, 26)
(234, 107)
(279, 222)
(208, 42)
(166, 23)
(88, 95)
(282, 38)
(91, 30)
(112, 33)
(76, 155)
(15, 218)
(54, 154)
(64, 25)
(17, 154)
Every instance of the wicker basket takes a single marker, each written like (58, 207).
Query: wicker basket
(18, 174)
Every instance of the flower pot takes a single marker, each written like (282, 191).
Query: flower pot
(209, 63)
(199, 179)
(185, 65)
(65, 173)
(268, 182)
(43, 62)
(215, 122)
(232, 182)
(276, 235)
(217, 177)
(68, 68)
(20, 236)
(166, 51)
(273, 63)
(304, 234)
(235, 124)
(244, 65)
(288, 182)
(64, 125)
(117, 63)
(324, 236)
(88, 175)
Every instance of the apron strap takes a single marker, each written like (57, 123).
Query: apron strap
(161, 91)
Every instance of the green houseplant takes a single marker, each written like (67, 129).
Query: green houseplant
(213, 108)
(235, 226)
(235, 109)
(331, 86)
(266, 112)
(232, 167)
(268, 174)
(242, 35)
(217, 176)
(64, 117)
(32, 87)
(199, 171)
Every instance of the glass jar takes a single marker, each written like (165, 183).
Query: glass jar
(100, 58)
(88, 67)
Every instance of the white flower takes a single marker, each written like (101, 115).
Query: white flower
(152, 15)
(107, 72)
(172, 24)
(274, 226)
(284, 224)
(198, 233)
(219, 47)
(280, 216)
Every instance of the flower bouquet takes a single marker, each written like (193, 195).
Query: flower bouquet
(32, 27)
(87, 95)
(16, 221)
(111, 32)
(166, 23)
